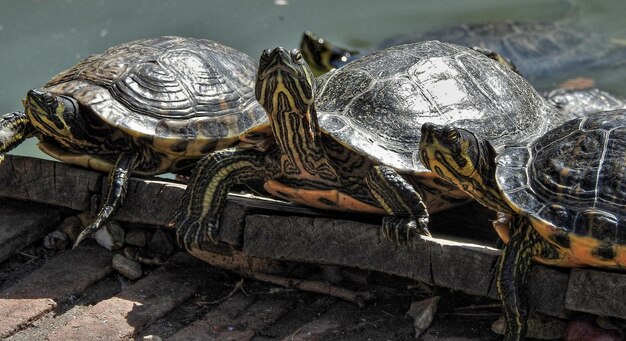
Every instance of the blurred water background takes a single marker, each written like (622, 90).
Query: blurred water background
(38, 39)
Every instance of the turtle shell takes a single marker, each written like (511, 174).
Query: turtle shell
(182, 97)
(538, 49)
(377, 104)
(572, 183)
(579, 102)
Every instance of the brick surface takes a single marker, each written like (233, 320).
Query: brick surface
(24, 223)
(238, 318)
(70, 273)
(315, 330)
(122, 316)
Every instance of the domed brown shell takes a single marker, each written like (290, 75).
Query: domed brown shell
(183, 97)
(572, 183)
(377, 104)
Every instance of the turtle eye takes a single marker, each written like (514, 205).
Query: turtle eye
(450, 134)
(296, 56)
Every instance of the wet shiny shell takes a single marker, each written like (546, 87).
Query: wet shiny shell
(572, 182)
(183, 97)
(377, 104)
(538, 49)
(579, 102)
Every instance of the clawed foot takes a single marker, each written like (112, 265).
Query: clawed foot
(88, 231)
(401, 229)
(192, 234)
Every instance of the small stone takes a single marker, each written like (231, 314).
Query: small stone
(586, 330)
(110, 236)
(423, 313)
(56, 240)
(151, 338)
(127, 267)
(86, 218)
(539, 327)
(136, 237)
(161, 243)
(72, 227)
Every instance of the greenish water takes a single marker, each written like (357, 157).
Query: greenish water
(40, 38)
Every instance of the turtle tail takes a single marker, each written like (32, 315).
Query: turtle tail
(14, 128)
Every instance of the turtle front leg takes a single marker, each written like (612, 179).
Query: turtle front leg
(407, 212)
(513, 270)
(197, 218)
(118, 183)
(14, 128)
(524, 243)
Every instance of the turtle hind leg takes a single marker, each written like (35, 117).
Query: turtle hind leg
(197, 218)
(14, 128)
(118, 183)
(407, 212)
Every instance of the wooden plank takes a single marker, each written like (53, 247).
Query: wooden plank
(48, 182)
(349, 243)
(464, 267)
(292, 232)
(68, 274)
(597, 292)
(122, 316)
(24, 223)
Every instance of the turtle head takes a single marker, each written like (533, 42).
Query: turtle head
(323, 56)
(51, 114)
(285, 83)
(463, 159)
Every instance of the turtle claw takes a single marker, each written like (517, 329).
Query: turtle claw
(402, 230)
(87, 232)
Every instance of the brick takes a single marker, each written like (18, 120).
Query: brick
(68, 274)
(236, 319)
(123, 316)
(24, 223)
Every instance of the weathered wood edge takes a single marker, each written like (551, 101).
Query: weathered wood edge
(295, 233)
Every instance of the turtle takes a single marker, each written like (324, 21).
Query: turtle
(580, 102)
(539, 49)
(561, 197)
(348, 140)
(146, 107)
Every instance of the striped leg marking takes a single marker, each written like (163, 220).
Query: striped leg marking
(118, 183)
(197, 217)
(14, 128)
(406, 211)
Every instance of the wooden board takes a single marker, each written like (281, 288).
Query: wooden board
(463, 258)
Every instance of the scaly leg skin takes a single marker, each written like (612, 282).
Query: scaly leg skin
(14, 128)
(407, 212)
(515, 263)
(118, 183)
(197, 217)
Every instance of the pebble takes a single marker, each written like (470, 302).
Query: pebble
(127, 267)
(541, 328)
(56, 240)
(161, 243)
(586, 330)
(110, 236)
(86, 218)
(151, 338)
(423, 312)
(72, 227)
(136, 237)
